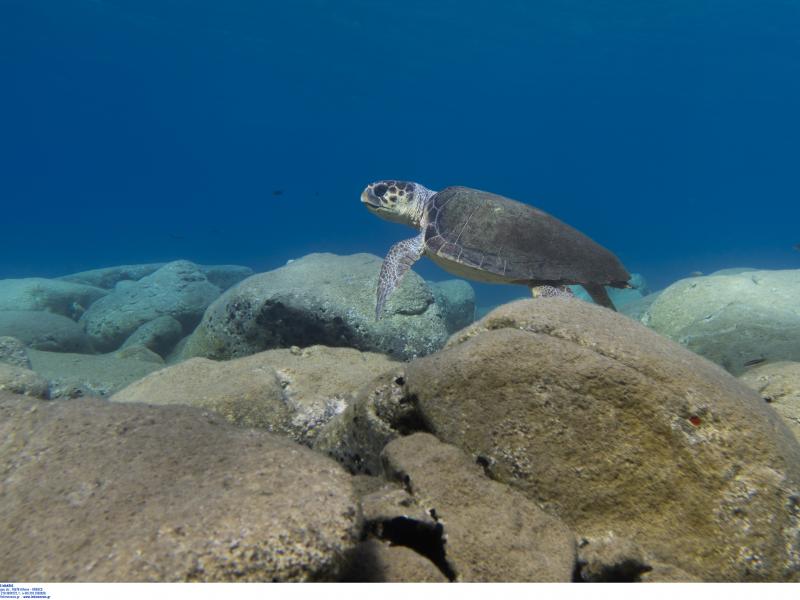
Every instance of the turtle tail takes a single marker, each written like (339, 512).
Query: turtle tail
(599, 295)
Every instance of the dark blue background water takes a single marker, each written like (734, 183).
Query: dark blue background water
(144, 130)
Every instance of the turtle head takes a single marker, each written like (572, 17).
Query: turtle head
(398, 201)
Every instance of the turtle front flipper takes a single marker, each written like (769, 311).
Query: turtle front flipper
(399, 260)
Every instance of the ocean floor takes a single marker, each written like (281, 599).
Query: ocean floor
(185, 422)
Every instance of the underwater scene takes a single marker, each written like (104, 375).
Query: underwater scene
(382, 291)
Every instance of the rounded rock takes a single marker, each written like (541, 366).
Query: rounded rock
(618, 430)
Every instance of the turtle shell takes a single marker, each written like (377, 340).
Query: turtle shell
(512, 242)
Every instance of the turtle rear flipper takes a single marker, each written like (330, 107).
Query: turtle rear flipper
(599, 295)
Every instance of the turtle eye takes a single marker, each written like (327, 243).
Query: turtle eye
(380, 190)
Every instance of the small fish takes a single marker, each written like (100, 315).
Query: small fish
(696, 274)
(755, 361)
(796, 247)
(277, 192)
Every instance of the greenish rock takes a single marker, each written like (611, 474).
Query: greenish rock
(223, 276)
(457, 301)
(178, 289)
(19, 380)
(13, 352)
(492, 532)
(159, 335)
(732, 319)
(95, 491)
(108, 277)
(44, 331)
(140, 352)
(64, 298)
(637, 309)
(320, 299)
(74, 375)
(733, 271)
(618, 430)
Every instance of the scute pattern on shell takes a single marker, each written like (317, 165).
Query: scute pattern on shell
(515, 241)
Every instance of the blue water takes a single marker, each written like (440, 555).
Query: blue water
(147, 130)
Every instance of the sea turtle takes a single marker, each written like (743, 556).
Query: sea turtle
(482, 236)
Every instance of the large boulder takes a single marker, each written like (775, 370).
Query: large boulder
(52, 295)
(223, 276)
(732, 318)
(779, 385)
(290, 391)
(178, 289)
(487, 530)
(637, 308)
(75, 375)
(618, 430)
(132, 492)
(44, 331)
(320, 299)
(246, 395)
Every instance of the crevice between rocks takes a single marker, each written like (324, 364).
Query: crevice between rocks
(423, 538)
(626, 571)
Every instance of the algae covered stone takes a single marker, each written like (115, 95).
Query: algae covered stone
(290, 391)
(13, 352)
(616, 429)
(492, 532)
(19, 380)
(378, 413)
(247, 396)
(73, 375)
(132, 492)
(778, 384)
